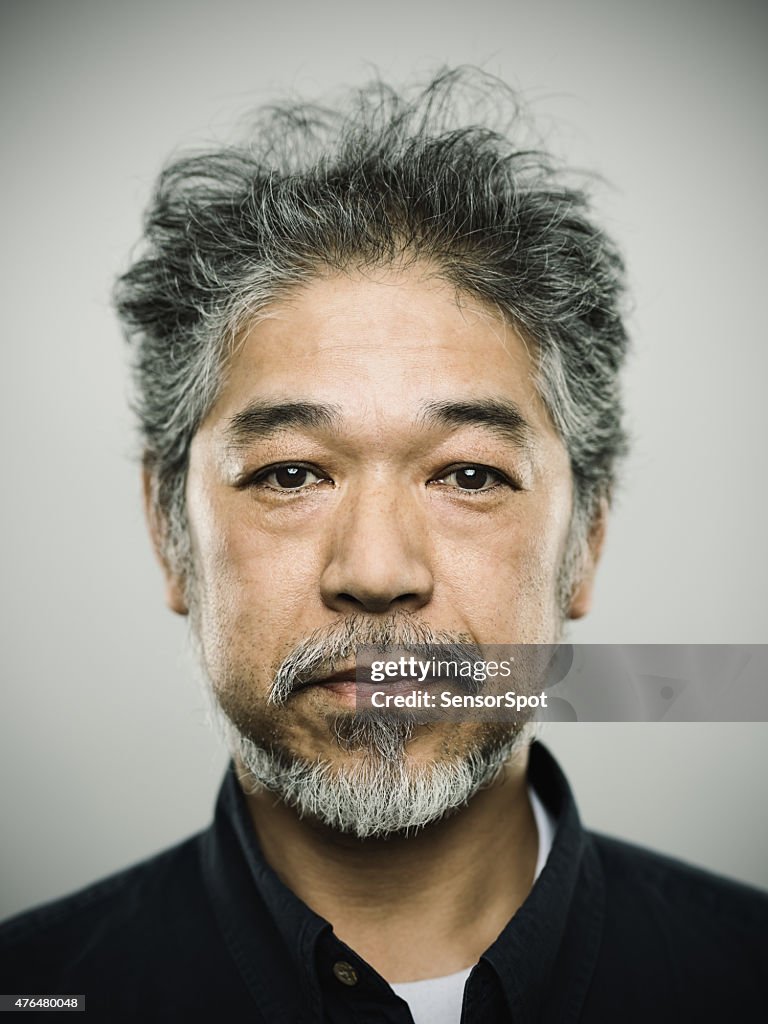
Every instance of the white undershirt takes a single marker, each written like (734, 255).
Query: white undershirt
(440, 999)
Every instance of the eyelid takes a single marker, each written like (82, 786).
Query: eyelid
(250, 479)
(501, 477)
(258, 476)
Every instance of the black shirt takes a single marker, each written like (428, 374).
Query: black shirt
(207, 931)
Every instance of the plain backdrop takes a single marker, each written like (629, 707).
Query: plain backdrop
(104, 753)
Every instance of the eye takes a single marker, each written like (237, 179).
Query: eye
(473, 478)
(288, 477)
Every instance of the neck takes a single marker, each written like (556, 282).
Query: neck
(413, 907)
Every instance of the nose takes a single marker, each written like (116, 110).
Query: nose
(379, 561)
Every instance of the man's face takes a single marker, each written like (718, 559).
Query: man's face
(378, 448)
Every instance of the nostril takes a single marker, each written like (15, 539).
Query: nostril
(379, 603)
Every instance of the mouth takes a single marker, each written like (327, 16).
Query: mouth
(351, 684)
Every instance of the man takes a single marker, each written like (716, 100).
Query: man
(377, 358)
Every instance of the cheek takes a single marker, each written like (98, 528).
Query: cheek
(505, 580)
(251, 586)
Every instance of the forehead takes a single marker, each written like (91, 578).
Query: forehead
(380, 347)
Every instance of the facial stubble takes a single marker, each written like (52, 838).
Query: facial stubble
(375, 779)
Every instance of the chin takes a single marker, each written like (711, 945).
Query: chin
(375, 785)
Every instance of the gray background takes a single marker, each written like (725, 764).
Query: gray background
(104, 753)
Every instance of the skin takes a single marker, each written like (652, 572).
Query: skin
(384, 521)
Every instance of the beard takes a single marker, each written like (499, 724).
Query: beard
(374, 787)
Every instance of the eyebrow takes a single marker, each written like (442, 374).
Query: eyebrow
(502, 417)
(261, 420)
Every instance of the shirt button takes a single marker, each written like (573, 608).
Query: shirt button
(345, 973)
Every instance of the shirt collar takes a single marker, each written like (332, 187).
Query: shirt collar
(556, 932)
(272, 933)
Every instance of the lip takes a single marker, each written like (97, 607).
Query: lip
(345, 677)
(351, 682)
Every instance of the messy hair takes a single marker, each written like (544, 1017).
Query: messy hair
(440, 175)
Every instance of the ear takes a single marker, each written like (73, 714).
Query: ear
(158, 531)
(581, 598)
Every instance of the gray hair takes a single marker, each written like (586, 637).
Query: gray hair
(385, 178)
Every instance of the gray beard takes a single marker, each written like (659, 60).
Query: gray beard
(378, 793)
(378, 790)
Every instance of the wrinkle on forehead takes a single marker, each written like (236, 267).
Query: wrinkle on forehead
(380, 337)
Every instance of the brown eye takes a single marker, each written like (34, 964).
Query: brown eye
(472, 478)
(288, 478)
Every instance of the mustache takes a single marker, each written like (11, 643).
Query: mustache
(330, 648)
